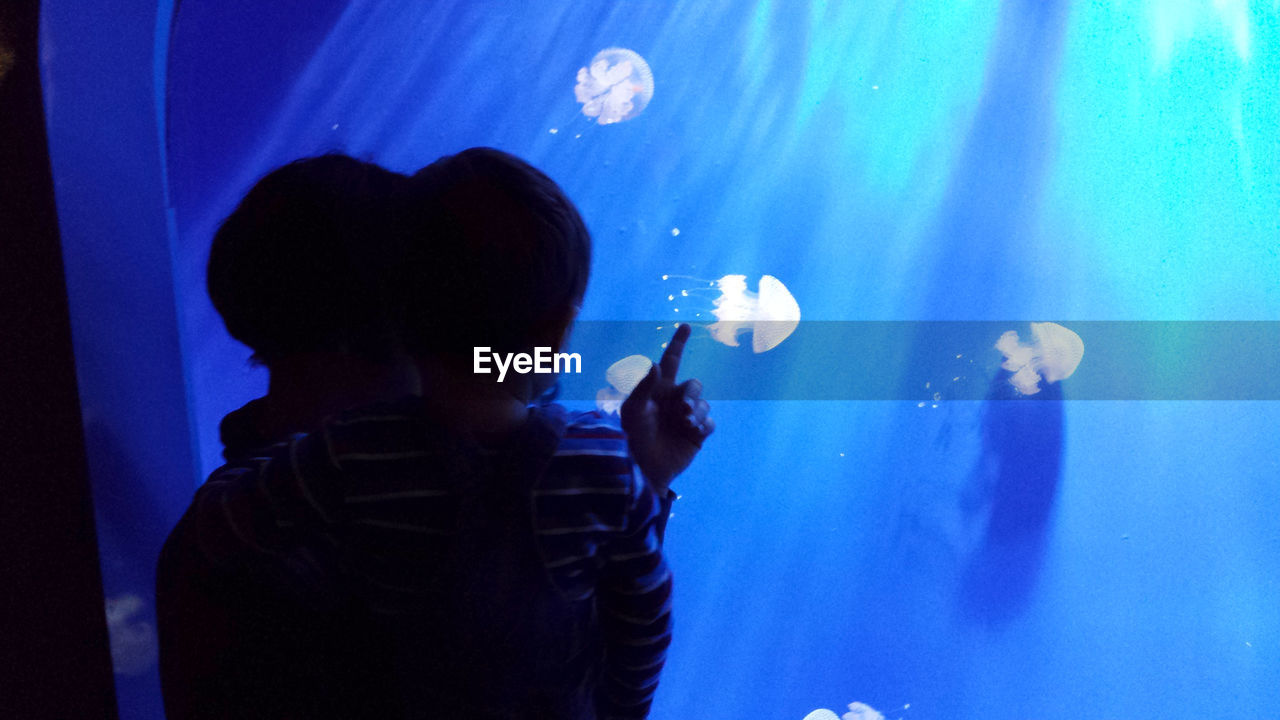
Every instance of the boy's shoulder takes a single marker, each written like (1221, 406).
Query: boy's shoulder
(583, 431)
(591, 455)
(582, 421)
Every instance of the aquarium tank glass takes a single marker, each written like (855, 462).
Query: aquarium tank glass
(985, 298)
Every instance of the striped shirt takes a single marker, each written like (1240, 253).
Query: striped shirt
(553, 540)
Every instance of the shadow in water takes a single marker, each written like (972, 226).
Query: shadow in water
(985, 225)
(1014, 485)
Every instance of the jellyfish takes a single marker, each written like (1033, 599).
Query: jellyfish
(1053, 355)
(623, 377)
(861, 711)
(615, 87)
(134, 647)
(770, 315)
(857, 711)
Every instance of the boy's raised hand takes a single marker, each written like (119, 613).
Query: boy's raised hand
(665, 422)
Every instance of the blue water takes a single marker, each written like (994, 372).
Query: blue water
(1013, 161)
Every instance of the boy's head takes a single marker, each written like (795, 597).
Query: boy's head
(507, 262)
(302, 265)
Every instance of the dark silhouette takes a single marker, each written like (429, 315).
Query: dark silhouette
(299, 274)
(984, 232)
(1012, 492)
(987, 217)
(56, 660)
(459, 553)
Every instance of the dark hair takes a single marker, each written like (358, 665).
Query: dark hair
(302, 263)
(508, 257)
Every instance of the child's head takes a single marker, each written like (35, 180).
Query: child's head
(301, 266)
(508, 259)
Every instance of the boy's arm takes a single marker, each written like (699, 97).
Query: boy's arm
(245, 517)
(666, 423)
(665, 500)
(635, 617)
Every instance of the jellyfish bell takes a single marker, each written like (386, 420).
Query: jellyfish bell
(132, 637)
(1059, 351)
(617, 85)
(627, 373)
(770, 315)
(777, 315)
(1053, 355)
(857, 711)
(623, 376)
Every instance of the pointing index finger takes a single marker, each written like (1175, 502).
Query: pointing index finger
(670, 363)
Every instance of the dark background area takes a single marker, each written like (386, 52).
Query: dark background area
(55, 661)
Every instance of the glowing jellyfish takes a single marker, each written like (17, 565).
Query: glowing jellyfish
(861, 711)
(615, 87)
(134, 646)
(770, 315)
(857, 711)
(623, 376)
(1054, 353)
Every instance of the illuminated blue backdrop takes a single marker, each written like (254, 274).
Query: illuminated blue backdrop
(1011, 161)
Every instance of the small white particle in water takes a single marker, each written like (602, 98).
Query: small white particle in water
(684, 293)
(664, 277)
(875, 87)
(937, 397)
(676, 309)
(675, 232)
(553, 131)
(935, 406)
(926, 386)
(578, 135)
(664, 346)
(335, 126)
(919, 404)
(671, 297)
(955, 379)
(960, 356)
(1248, 644)
(841, 454)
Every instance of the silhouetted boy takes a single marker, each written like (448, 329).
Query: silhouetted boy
(502, 560)
(299, 274)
